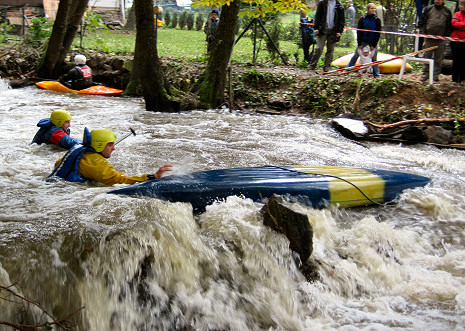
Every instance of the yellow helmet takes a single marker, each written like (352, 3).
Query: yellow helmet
(100, 138)
(60, 116)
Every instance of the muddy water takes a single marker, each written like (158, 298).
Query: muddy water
(145, 264)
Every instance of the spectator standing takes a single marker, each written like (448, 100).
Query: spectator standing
(435, 20)
(391, 21)
(369, 21)
(211, 27)
(380, 11)
(458, 48)
(329, 25)
(350, 14)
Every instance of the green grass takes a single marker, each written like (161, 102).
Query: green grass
(188, 45)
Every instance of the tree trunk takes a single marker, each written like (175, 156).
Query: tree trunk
(66, 24)
(147, 65)
(210, 88)
(131, 22)
(49, 62)
(77, 10)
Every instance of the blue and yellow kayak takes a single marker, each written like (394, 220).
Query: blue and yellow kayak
(312, 185)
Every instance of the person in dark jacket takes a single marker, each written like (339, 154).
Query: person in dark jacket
(79, 77)
(307, 37)
(211, 27)
(329, 25)
(369, 21)
(55, 130)
(435, 20)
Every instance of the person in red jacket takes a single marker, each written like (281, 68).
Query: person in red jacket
(55, 130)
(458, 48)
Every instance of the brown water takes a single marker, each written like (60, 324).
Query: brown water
(145, 264)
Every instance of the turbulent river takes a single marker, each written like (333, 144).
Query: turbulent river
(146, 264)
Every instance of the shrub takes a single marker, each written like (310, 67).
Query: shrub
(167, 17)
(291, 31)
(183, 20)
(40, 28)
(347, 39)
(199, 21)
(274, 29)
(190, 20)
(5, 27)
(174, 22)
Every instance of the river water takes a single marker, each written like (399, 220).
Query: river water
(145, 264)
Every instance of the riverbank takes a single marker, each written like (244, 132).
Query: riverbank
(281, 89)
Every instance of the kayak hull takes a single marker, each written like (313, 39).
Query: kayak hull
(94, 90)
(390, 67)
(314, 186)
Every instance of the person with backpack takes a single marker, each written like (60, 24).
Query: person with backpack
(308, 37)
(435, 20)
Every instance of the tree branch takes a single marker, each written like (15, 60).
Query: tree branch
(28, 301)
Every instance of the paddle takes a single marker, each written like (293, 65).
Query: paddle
(127, 135)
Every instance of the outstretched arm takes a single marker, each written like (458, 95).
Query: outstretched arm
(162, 169)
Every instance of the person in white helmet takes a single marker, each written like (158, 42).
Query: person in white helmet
(79, 77)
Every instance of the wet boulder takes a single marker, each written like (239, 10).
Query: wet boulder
(438, 135)
(413, 133)
(278, 215)
(350, 128)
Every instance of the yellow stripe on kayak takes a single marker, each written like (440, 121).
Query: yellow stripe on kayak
(345, 194)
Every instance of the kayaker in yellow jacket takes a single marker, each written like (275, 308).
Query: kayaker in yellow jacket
(90, 162)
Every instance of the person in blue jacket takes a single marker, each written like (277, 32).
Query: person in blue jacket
(369, 21)
(55, 130)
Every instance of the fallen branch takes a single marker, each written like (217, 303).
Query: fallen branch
(410, 122)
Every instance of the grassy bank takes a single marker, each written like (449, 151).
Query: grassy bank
(190, 45)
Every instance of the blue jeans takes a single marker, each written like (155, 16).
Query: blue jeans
(354, 59)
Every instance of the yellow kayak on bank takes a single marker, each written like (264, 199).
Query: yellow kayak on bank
(391, 67)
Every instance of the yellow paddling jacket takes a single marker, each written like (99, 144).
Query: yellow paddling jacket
(94, 166)
(80, 163)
